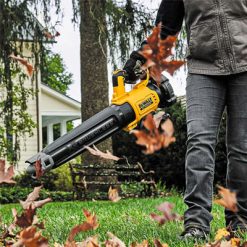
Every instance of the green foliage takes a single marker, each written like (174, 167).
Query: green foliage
(55, 180)
(128, 24)
(64, 180)
(133, 189)
(54, 72)
(13, 194)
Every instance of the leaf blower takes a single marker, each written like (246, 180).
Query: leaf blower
(126, 110)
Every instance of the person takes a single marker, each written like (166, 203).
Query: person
(217, 79)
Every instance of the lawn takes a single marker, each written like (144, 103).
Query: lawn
(128, 219)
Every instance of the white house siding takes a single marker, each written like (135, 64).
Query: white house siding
(29, 145)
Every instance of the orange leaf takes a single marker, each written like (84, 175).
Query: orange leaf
(6, 177)
(143, 244)
(157, 52)
(30, 238)
(113, 195)
(108, 155)
(24, 62)
(157, 243)
(48, 35)
(152, 138)
(90, 224)
(228, 200)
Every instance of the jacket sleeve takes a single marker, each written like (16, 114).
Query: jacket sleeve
(170, 15)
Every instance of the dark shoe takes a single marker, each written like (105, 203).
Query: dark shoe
(193, 234)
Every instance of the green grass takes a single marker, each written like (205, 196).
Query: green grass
(128, 219)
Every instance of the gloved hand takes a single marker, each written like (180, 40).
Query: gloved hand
(133, 67)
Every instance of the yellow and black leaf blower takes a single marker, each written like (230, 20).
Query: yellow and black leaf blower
(126, 110)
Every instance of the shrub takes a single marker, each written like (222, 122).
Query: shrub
(12, 194)
(54, 180)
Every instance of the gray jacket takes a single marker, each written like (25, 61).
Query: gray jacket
(216, 33)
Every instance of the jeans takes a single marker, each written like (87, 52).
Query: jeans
(207, 97)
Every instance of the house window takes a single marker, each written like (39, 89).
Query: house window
(44, 137)
(56, 131)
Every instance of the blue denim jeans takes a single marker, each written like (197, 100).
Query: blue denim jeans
(207, 97)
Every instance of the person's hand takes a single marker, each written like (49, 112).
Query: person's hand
(133, 67)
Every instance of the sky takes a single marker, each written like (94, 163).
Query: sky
(68, 45)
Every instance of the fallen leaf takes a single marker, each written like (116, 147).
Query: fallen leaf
(114, 241)
(90, 242)
(91, 219)
(6, 177)
(108, 155)
(157, 53)
(30, 238)
(221, 233)
(25, 219)
(143, 244)
(90, 224)
(235, 242)
(157, 243)
(167, 213)
(113, 195)
(228, 200)
(24, 62)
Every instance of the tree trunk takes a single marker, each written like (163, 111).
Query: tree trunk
(94, 81)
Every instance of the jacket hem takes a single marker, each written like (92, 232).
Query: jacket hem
(216, 72)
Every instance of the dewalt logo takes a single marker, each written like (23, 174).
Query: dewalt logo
(146, 103)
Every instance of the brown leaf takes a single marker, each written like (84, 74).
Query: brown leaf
(157, 243)
(38, 169)
(90, 242)
(143, 244)
(30, 201)
(30, 238)
(90, 224)
(167, 213)
(114, 241)
(91, 219)
(108, 155)
(157, 52)
(113, 195)
(48, 35)
(6, 177)
(24, 62)
(228, 200)
(152, 138)
(25, 219)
